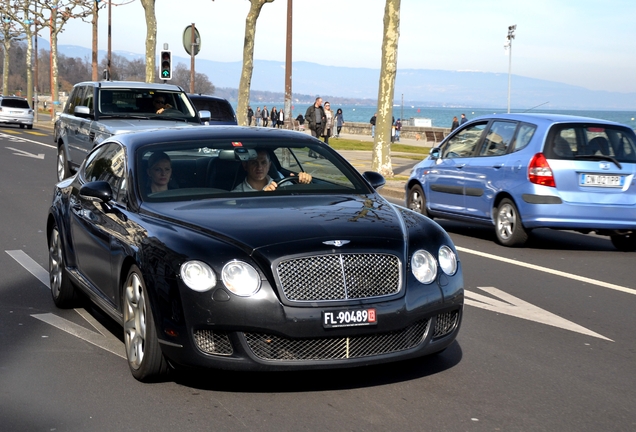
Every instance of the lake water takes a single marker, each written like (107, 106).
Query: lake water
(443, 117)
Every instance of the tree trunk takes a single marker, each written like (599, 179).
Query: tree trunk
(55, 88)
(95, 72)
(388, 71)
(29, 65)
(5, 66)
(151, 39)
(248, 60)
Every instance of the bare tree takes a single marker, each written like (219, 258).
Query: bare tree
(248, 59)
(9, 34)
(388, 71)
(181, 77)
(23, 14)
(151, 38)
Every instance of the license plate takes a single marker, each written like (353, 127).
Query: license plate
(602, 180)
(15, 112)
(349, 318)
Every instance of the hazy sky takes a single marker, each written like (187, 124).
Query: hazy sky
(589, 43)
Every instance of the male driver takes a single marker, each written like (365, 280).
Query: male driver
(159, 102)
(258, 179)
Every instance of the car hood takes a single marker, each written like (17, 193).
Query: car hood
(271, 223)
(117, 126)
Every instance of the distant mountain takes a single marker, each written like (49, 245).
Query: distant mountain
(427, 87)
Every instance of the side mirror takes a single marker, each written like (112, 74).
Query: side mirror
(97, 190)
(435, 152)
(204, 115)
(375, 179)
(82, 111)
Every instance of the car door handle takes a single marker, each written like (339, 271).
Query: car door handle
(498, 166)
(460, 166)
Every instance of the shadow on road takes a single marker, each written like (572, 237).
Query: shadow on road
(320, 380)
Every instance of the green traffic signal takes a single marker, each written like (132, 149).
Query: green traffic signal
(166, 65)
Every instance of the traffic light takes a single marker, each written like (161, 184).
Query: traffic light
(166, 65)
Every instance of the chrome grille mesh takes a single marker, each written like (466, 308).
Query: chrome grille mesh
(269, 347)
(213, 342)
(339, 277)
(446, 323)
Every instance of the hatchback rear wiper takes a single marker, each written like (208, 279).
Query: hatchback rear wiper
(600, 158)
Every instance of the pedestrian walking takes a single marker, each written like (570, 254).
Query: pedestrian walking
(463, 120)
(398, 128)
(258, 116)
(281, 118)
(455, 124)
(315, 118)
(274, 117)
(250, 114)
(372, 121)
(329, 121)
(265, 115)
(339, 122)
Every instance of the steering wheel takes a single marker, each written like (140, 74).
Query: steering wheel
(293, 179)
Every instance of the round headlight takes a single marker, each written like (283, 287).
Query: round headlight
(424, 266)
(198, 276)
(241, 278)
(447, 260)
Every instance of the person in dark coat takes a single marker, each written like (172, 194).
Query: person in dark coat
(250, 114)
(455, 124)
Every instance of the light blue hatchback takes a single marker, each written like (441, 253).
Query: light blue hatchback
(524, 171)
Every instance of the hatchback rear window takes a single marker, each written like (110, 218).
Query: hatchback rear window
(585, 141)
(15, 103)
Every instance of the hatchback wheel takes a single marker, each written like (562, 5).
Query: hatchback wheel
(62, 164)
(140, 336)
(416, 200)
(62, 289)
(510, 231)
(30, 126)
(624, 242)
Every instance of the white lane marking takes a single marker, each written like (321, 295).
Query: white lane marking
(5, 136)
(26, 154)
(516, 307)
(550, 271)
(30, 265)
(104, 340)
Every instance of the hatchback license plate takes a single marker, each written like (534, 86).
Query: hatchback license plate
(348, 318)
(601, 180)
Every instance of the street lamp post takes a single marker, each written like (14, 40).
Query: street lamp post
(508, 46)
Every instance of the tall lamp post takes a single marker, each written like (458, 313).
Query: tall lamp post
(508, 46)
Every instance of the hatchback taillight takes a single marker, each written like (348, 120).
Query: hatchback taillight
(539, 171)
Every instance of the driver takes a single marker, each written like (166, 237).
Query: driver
(258, 178)
(160, 104)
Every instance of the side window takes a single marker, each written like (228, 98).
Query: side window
(463, 143)
(87, 99)
(524, 135)
(108, 163)
(562, 144)
(75, 99)
(498, 138)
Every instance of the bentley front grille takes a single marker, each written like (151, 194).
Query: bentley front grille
(269, 347)
(210, 342)
(446, 323)
(339, 277)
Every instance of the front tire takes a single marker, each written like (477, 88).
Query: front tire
(62, 289)
(510, 231)
(416, 200)
(62, 164)
(624, 242)
(145, 359)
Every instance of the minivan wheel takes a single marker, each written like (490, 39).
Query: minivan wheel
(510, 231)
(624, 242)
(62, 164)
(416, 200)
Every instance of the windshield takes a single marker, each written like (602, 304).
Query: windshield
(185, 172)
(146, 103)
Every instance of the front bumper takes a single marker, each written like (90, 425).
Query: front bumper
(272, 336)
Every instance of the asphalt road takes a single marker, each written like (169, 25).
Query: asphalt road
(547, 344)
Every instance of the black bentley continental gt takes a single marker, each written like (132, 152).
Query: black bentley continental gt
(249, 249)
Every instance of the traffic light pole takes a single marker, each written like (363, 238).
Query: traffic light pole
(192, 51)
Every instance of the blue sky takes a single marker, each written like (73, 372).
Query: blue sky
(589, 43)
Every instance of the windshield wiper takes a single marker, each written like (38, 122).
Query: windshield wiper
(600, 158)
(126, 116)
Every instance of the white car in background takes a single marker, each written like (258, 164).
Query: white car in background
(16, 110)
